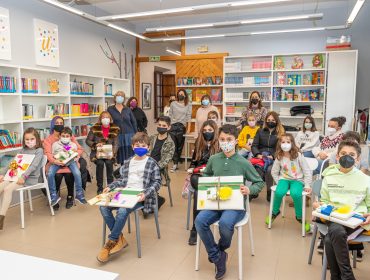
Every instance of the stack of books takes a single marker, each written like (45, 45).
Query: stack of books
(8, 84)
(30, 85)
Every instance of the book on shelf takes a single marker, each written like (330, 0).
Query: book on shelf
(199, 93)
(220, 193)
(81, 88)
(199, 81)
(81, 109)
(294, 79)
(27, 111)
(43, 132)
(279, 63)
(9, 139)
(30, 85)
(108, 90)
(60, 109)
(216, 95)
(18, 166)
(53, 86)
(84, 130)
(8, 84)
(189, 92)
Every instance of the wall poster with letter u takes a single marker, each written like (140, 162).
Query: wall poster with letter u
(46, 43)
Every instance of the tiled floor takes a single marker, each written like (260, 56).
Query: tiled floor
(74, 236)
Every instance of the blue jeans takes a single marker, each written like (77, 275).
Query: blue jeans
(117, 224)
(317, 170)
(227, 220)
(77, 177)
(308, 154)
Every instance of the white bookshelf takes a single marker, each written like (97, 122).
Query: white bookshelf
(250, 67)
(11, 113)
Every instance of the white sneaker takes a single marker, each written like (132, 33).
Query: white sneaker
(174, 167)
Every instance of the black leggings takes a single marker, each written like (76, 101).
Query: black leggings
(100, 169)
(177, 132)
(194, 183)
(266, 176)
(68, 178)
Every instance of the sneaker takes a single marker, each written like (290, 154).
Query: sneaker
(359, 256)
(69, 202)
(56, 207)
(220, 266)
(320, 246)
(307, 225)
(193, 237)
(55, 201)
(252, 196)
(121, 244)
(174, 167)
(99, 191)
(81, 200)
(273, 217)
(103, 255)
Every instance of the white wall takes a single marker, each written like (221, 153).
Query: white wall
(147, 76)
(79, 39)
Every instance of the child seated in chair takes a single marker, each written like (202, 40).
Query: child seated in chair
(138, 172)
(245, 138)
(344, 184)
(62, 150)
(291, 172)
(226, 163)
(32, 146)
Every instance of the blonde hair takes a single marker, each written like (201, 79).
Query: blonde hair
(120, 92)
(279, 127)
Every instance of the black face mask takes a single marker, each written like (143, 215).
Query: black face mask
(58, 127)
(208, 136)
(346, 161)
(181, 97)
(162, 130)
(271, 124)
(254, 101)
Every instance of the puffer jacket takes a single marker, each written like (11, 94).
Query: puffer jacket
(264, 141)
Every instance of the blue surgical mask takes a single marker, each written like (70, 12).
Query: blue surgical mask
(205, 102)
(119, 99)
(139, 151)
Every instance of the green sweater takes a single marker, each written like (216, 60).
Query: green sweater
(236, 165)
(352, 188)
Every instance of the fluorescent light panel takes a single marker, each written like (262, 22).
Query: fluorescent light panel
(239, 22)
(191, 8)
(124, 30)
(173, 52)
(65, 7)
(355, 11)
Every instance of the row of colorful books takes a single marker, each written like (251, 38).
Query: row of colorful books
(243, 96)
(254, 80)
(8, 84)
(59, 109)
(198, 81)
(30, 85)
(9, 139)
(81, 130)
(283, 94)
(85, 109)
(43, 132)
(315, 78)
(81, 88)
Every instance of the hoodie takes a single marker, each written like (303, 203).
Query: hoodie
(352, 188)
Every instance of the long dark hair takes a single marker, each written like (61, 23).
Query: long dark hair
(312, 120)
(279, 127)
(201, 143)
(130, 99)
(250, 99)
(186, 100)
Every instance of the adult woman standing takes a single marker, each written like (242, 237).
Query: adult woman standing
(255, 108)
(202, 112)
(264, 147)
(140, 117)
(180, 114)
(124, 118)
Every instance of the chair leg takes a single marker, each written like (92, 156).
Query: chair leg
(49, 199)
(21, 199)
(312, 245)
(104, 233)
(169, 193)
(271, 206)
(303, 215)
(251, 236)
(240, 252)
(283, 207)
(324, 266)
(128, 224)
(188, 211)
(156, 219)
(30, 200)
(197, 252)
(354, 258)
(138, 240)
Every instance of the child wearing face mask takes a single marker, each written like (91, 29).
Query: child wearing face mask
(65, 144)
(104, 132)
(140, 172)
(330, 142)
(31, 146)
(245, 138)
(308, 138)
(202, 112)
(139, 114)
(291, 172)
(344, 184)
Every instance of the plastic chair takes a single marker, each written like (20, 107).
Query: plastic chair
(190, 194)
(312, 163)
(137, 226)
(239, 226)
(38, 186)
(168, 183)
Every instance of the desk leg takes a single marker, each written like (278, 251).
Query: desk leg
(104, 233)
(186, 153)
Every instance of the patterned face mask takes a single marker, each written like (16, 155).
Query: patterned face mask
(227, 147)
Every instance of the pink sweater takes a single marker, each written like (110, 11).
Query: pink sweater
(48, 143)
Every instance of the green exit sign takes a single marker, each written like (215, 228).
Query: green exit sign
(154, 58)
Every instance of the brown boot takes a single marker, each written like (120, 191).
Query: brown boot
(2, 222)
(121, 243)
(103, 255)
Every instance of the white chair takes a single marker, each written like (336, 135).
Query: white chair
(239, 226)
(38, 186)
(312, 163)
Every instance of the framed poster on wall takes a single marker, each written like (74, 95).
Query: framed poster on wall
(46, 43)
(146, 96)
(5, 47)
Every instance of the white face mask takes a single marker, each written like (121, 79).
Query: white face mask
(30, 143)
(252, 123)
(308, 125)
(227, 147)
(105, 121)
(331, 131)
(119, 99)
(286, 147)
(65, 140)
